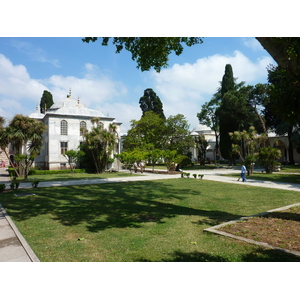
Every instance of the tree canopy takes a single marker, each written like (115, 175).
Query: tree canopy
(151, 102)
(46, 101)
(154, 132)
(153, 52)
(149, 52)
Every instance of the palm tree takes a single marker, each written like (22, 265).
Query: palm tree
(99, 143)
(25, 134)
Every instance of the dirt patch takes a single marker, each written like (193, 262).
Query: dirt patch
(278, 229)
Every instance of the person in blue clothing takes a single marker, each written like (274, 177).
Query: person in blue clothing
(243, 172)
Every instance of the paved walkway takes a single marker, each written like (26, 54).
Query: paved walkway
(14, 248)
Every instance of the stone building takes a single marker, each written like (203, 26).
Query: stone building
(210, 138)
(278, 141)
(65, 121)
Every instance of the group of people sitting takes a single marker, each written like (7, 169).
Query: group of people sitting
(141, 165)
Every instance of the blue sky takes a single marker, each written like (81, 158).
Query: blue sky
(111, 82)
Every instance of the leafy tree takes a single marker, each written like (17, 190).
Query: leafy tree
(208, 117)
(129, 157)
(99, 144)
(154, 132)
(46, 101)
(201, 144)
(227, 83)
(25, 135)
(148, 130)
(151, 102)
(268, 156)
(169, 157)
(73, 157)
(153, 156)
(4, 139)
(245, 144)
(285, 51)
(176, 136)
(281, 111)
(257, 98)
(149, 52)
(154, 51)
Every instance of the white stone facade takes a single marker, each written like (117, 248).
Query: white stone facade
(211, 139)
(64, 120)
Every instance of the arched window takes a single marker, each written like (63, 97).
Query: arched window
(63, 127)
(82, 127)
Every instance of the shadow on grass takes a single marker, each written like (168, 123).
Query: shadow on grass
(104, 206)
(259, 255)
(284, 216)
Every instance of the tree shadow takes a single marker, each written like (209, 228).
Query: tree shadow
(258, 255)
(283, 215)
(269, 255)
(178, 256)
(110, 205)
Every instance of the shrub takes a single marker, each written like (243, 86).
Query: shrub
(2, 187)
(183, 160)
(200, 176)
(48, 172)
(35, 183)
(195, 176)
(12, 172)
(267, 157)
(14, 185)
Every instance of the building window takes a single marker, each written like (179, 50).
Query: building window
(64, 127)
(63, 147)
(82, 127)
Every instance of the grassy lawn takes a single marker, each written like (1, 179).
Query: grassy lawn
(290, 169)
(276, 176)
(77, 176)
(159, 220)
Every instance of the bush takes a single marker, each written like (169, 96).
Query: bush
(2, 187)
(14, 185)
(48, 172)
(267, 157)
(12, 172)
(35, 183)
(183, 161)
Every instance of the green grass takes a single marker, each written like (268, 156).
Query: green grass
(159, 220)
(76, 176)
(290, 169)
(276, 177)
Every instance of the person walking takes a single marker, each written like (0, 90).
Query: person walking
(243, 173)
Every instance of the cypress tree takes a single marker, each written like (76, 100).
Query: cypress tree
(227, 80)
(46, 101)
(151, 102)
(226, 125)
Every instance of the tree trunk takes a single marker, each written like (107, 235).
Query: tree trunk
(291, 147)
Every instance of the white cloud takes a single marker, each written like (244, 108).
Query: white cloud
(184, 88)
(19, 93)
(15, 82)
(122, 112)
